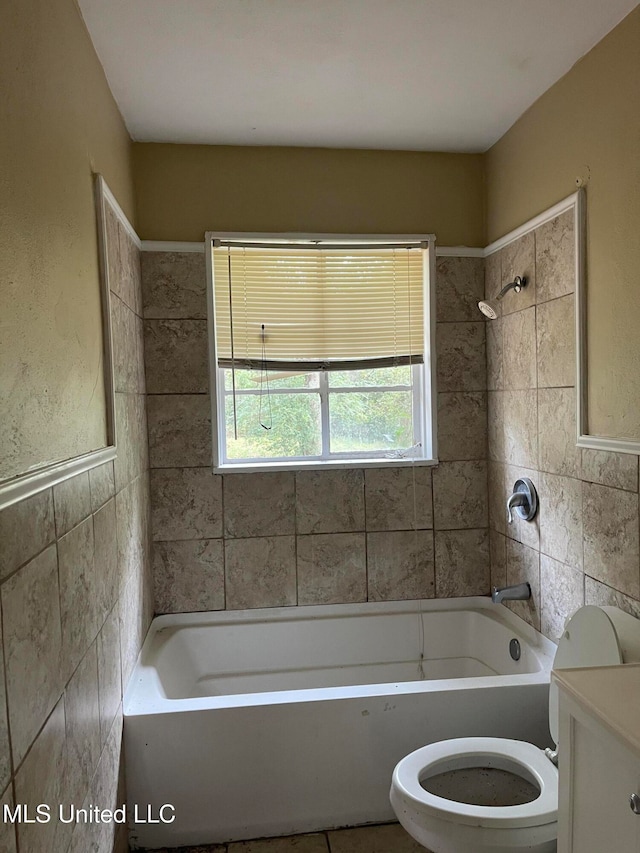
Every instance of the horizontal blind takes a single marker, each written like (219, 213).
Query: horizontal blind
(320, 307)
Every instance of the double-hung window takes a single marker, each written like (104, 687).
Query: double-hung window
(320, 351)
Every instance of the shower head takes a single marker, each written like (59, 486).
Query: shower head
(490, 307)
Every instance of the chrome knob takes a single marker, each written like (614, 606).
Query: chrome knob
(634, 803)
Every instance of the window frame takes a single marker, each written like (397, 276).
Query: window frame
(424, 401)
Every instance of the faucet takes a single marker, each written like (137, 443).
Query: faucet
(519, 592)
(516, 499)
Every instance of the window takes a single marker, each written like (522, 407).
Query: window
(320, 352)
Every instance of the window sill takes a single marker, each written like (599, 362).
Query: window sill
(315, 465)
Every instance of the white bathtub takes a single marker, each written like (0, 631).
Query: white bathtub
(269, 722)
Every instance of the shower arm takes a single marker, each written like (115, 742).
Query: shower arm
(517, 284)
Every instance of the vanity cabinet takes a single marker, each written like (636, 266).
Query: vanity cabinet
(599, 768)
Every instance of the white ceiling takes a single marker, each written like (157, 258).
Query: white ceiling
(439, 75)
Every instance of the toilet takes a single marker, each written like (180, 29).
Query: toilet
(494, 795)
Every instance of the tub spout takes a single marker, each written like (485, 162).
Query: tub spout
(519, 592)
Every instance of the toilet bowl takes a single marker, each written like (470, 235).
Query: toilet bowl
(494, 795)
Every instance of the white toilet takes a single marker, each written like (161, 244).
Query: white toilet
(493, 795)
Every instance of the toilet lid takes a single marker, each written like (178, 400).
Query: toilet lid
(589, 639)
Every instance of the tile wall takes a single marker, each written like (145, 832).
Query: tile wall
(76, 596)
(314, 537)
(583, 545)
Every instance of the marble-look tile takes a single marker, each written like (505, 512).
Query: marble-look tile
(619, 470)
(133, 530)
(332, 568)
(179, 430)
(5, 758)
(611, 548)
(493, 277)
(112, 246)
(556, 343)
(518, 258)
(388, 838)
(133, 626)
(498, 556)
(555, 257)
(43, 779)
(102, 485)
(174, 285)
(523, 565)
(521, 428)
(495, 354)
(561, 592)
(314, 843)
(109, 672)
(527, 532)
(398, 498)
(78, 588)
(72, 502)
(495, 426)
(459, 287)
(496, 478)
(186, 503)
(106, 559)
(127, 350)
(519, 349)
(7, 829)
(188, 575)
(461, 357)
(599, 594)
(32, 644)
(82, 724)
(176, 356)
(557, 431)
(259, 504)
(26, 528)
(131, 438)
(462, 425)
(130, 278)
(260, 572)
(400, 565)
(462, 563)
(329, 501)
(460, 495)
(561, 519)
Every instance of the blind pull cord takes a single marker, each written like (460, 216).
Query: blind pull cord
(264, 382)
(233, 358)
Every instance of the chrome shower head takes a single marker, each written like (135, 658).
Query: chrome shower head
(490, 308)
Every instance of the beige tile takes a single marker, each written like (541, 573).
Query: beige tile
(599, 594)
(315, 843)
(398, 498)
(186, 503)
(109, 672)
(561, 519)
(561, 592)
(493, 277)
(112, 247)
(43, 779)
(523, 565)
(527, 532)
(460, 495)
(329, 501)
(106, 560)
(176, 356)
(556, 343)
(259, 504)
(521, 428)
(400, 565)
(498, 554)
(78, 589)
(462, 425)
(518, 258)
(495, 354)
(32, 644)
(496, 479)
(179, 430)
(461, 356)
(611, 548)
(82, 724)
(557, 431)
(174, 285)
(495, 426)
(102, 485)
(131, 436)
(459, 287)
(7, 829)
(555, 257)
(462, 563)
(260, 572)
(133, 626)
(332, 568)
(133, 525)
(519, 349)
(5, 757)
(72, 502)
(188, 575)
(388, 838)
(619, 470)
(130, 270)
(127, 351)
(26, 528)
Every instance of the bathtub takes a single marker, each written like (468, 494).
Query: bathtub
(270, 722)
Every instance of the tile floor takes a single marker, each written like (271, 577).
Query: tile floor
(383, 838)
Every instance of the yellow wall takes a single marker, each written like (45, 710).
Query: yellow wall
(184, 190)
(58, 122)
(588, 126)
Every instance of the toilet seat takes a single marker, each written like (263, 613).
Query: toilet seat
(516, 756)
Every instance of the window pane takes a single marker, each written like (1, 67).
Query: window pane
(370, 420)
(295, 426)
(253, 380)
(374, 376)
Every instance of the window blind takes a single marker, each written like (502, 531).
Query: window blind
(320, 308)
